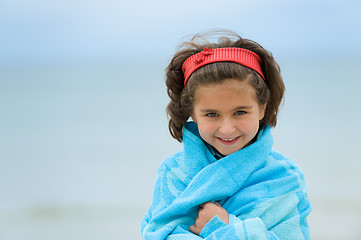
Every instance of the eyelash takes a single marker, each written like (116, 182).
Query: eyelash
(238, 113)
(212, 115)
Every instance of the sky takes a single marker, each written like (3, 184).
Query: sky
(72, 31)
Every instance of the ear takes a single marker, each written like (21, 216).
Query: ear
(193, 118)
(262, 111)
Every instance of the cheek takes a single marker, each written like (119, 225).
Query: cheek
(206, 128)
(249, 125)
(244, 125)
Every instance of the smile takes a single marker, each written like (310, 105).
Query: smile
(228, 140)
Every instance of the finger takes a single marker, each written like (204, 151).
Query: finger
(217, 203)
(200, 208)
(206, 203)
(192, 229)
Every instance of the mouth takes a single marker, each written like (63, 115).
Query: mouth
(228, 141)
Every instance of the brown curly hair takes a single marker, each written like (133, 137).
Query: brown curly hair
(180, 107)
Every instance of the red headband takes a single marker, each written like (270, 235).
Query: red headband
(238, 55)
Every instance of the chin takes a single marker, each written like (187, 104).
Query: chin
(229, 152)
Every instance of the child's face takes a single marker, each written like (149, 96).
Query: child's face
(227, 114)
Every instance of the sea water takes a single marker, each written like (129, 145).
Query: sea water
(80, 147)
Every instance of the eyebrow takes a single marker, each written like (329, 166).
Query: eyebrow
(236, 109)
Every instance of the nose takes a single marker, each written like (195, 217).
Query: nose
(227, 127)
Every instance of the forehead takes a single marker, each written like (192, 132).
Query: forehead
(230, 91)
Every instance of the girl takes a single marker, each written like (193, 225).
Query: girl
(227, 182)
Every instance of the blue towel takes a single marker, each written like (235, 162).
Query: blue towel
(263, 192)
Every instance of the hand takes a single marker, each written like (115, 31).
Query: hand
(205, 213)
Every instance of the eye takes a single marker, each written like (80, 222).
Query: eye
(240, 113)
(211, 115)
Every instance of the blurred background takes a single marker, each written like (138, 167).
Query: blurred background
(82, 107)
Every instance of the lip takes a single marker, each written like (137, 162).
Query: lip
(228, 141)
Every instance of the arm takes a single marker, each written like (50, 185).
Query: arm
(289, 219)
(214, 222)
(216, 229)
(283, 219)
(272, 205)
(206, 213)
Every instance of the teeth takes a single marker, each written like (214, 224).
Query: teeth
(228, 139)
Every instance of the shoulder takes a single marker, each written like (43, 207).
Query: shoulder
(171, 181)
(171, 161)
(281, 171)
(288, 169)
(288, 164)
(173, 170)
